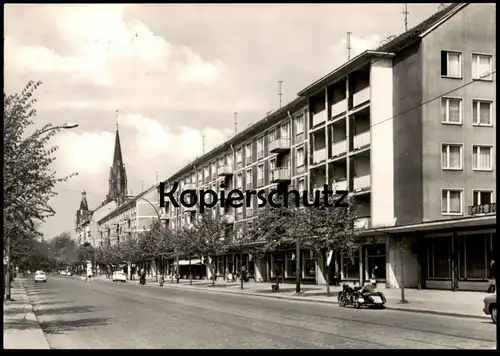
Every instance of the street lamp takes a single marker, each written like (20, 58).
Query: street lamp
(7, 260)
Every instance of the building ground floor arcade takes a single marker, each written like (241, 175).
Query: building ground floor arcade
(453, 254)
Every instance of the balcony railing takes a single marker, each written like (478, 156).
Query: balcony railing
(279, 175)
(363, 223)
(319, 156)
(340, 185)
(483, 209)
(339, 148)
(362, 140)
(224, 171)
(279, 145)
(318, 118)
(339, 107)
(361, 96)
(362, 183)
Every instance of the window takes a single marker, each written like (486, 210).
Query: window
(300, 156)
(309, 264)
(239, 178)
(260, 147)
(221, 161)
(272, 135)
(451, 64)
(438, 258)
(482, 158)
(248, 153)
(452, 202)
(482, 112)
(248, 179)
(451, 111)
(299, 124)
(451, 156)
(474, 251)
(260, 175)
(350, 265)
(291, 264)
(482, 67)
(481, 197)
(238, 155)
(285, 131)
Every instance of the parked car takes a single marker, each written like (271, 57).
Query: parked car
(490, 306)
(40, 277)
(62, 273)
(119, 276)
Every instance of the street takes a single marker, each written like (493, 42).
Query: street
(102, 314)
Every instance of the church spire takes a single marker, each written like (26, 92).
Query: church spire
(117, 174)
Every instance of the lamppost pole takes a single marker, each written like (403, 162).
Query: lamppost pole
(7, 259)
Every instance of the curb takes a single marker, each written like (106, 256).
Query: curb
(30, 311)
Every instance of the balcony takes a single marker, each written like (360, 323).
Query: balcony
(361, 97)
(281, 175)
(189, 186)
(362, 223)
(362, 140)
(482, 209)
(225, 171)
(362, 183)
(279, 145)
(319, 156)
(339, 148)
(339, 107)
(340, 185)
(318, 118)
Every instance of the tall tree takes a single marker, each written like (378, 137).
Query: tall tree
(333, 229)
(188, 246)
(212, 236)
(244, 239)
(28, 179)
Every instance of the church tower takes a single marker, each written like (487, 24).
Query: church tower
(117, 174)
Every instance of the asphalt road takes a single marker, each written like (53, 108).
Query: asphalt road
(102, 314)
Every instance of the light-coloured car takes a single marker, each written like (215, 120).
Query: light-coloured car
(490, 306)
(119, 276)
(40, 277)
(62, 273)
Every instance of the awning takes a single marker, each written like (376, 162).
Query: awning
(193, 262)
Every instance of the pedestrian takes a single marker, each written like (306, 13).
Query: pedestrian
(492, 286)
(89, 274)
(374, 276)
(243, 274)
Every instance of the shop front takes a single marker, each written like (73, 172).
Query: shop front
(283, 266)
(231, 263)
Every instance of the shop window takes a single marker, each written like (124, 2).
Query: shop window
(220, 265)
(473, 255)
(291, 264)
(375, 258)
(439, 258)
(350, 265)
(309, 264)
(230, 264)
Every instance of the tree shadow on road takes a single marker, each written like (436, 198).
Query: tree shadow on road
(63, 326)
(14, 310)
(65, 310)
(51, 302)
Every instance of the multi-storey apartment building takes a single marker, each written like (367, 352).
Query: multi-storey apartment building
(134, 216)
(409, 130)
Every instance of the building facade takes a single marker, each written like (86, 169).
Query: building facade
(408, 129)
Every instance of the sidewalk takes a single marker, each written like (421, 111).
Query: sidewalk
(21, 329)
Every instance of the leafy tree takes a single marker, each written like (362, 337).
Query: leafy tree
(333, 229)
(244, 239)
(211, 235)
(188, 245)
(28, 181)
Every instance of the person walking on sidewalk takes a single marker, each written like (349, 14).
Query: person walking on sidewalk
(492, 286)
(89, 274)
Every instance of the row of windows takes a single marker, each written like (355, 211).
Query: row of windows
(452, 157)
(452, 112)
(452, 65)
(452, 200)
(209, 172)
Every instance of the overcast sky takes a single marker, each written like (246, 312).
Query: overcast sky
(174, 72)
